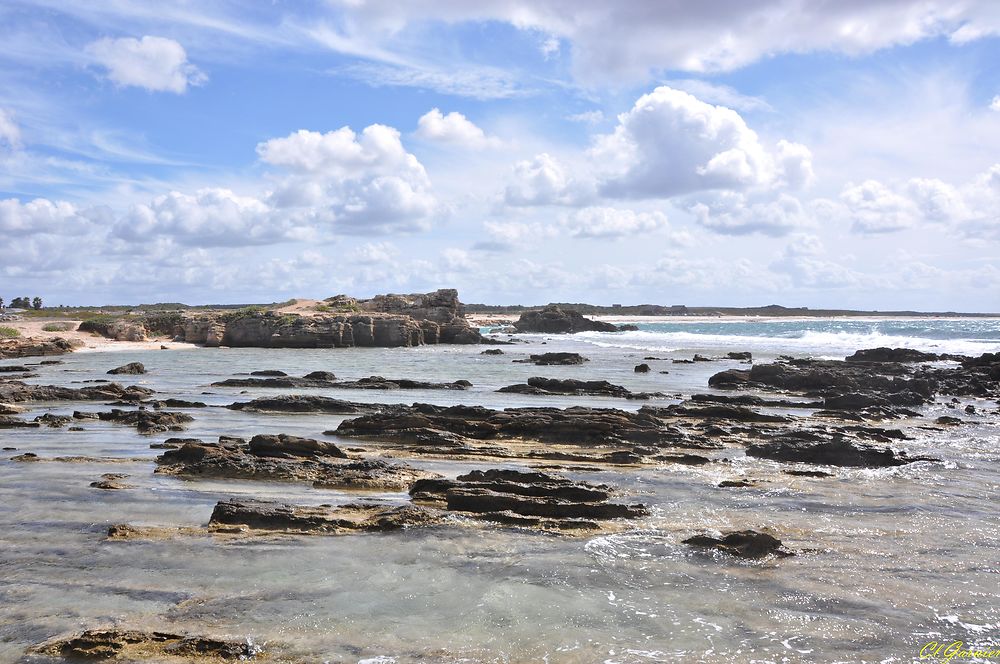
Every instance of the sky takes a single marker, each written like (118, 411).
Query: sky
(724, 152)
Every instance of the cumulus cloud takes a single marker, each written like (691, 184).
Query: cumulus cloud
(607, 222)
(671, 143)
(216, 217)
(454, 128)
(363, 183)
(42, 216)
(10, 133)
(157, 64)
(543, 180)
(995, 104)
(802, 261)
(732, 213)
(874, 208)
(723, 95)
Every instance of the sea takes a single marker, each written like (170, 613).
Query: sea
(887, 560)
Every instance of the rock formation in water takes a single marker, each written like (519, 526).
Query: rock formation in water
(383, 321)
(556, 320)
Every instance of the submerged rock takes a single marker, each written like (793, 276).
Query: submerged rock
(16, 392)
(146, 421)
(742, 544)
(300, 403)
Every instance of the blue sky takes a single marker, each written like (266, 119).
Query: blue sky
(733, 153)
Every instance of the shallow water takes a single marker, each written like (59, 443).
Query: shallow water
(889, 559)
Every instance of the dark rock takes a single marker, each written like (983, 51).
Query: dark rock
(16, 392)
(555, 320)
(700, 358)
(132, 368)
(808, 473)
(275, 516)
(8, 422)
(147, 421)
(948, 420)
(833, 452)
(27, 456)
(550, 386)
(547, 359)
(14, 369)
(112, 482)
(743, 544)
(54, 421)
(745, 356)
(735, 484)
(31, 347)
(282, 446)
(492, 351)
(891, 355)
(270, 373)
(132, 645)
(628, 327)
(641, 368)
(298, 403)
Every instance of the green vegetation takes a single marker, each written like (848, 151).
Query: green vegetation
(8, 332)
(58, 327)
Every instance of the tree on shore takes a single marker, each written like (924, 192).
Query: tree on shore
(1, 303)
(36, 303)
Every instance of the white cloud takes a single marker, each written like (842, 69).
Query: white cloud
(612, 42)
(10, 133)
(794, 162)
(154, 63)
(41, 216)
(732, 213)
(607, 222)
(995, 104)
(874, 208)
(363, 183)
(671, 143)
(457, 260)
(213, 217)
(543, 180)
(374, 253)
(587, 117)
(454, 128)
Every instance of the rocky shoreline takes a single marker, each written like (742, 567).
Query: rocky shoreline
(813, 419)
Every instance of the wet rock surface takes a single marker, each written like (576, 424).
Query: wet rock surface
(123, 645)
(145, 421)
(286, 458)
(554, 359)
(561, 386)
(532, 499)
(130, 369)
(324, 519)
(30, 347)
(327, 380)
(742, 544)
(297, 403)
(838, 451)
(17, 392)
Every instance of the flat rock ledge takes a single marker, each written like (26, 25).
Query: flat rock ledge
(287, 458)
(124, 645)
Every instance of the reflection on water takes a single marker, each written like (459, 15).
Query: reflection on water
(889, 560)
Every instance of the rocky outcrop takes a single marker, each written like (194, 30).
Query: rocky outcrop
(569, 386)
(288, 459)
(892, 355)
(837, 451)
(742, 544)
(326, 520)
(532, 499)
(130, 369)
(145, 421)
(300, 403)
(554, 359)
(384, 321)
(555, 320)
(30, 347)
(16, 392)
(327, 381)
